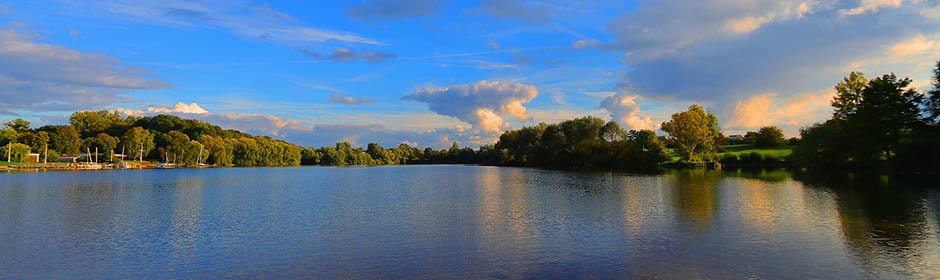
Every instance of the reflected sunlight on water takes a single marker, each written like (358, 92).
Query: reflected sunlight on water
(464, 221)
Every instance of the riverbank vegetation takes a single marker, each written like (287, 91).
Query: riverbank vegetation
(877, 123)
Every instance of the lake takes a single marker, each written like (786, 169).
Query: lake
(435, 222)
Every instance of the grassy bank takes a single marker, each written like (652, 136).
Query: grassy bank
(744, 149)
(743, 155)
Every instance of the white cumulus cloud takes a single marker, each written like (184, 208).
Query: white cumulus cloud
(623, 108)
(482, 104)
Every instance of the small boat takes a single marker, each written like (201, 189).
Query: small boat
(165, 166)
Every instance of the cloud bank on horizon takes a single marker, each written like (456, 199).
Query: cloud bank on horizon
(431, 72)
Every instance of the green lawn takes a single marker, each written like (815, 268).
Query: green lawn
(783, 151)
(743, 149)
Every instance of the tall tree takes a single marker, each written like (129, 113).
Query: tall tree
(66, 140)
(849, 95)
(102, 142)
(19, 125)
(36, 140)
(138, 142)
(692, 131)
(8, 135)
(175, 146)
(218, 150)
(770, 136)
(890, 108)
(90, 123)
(15, 152)
(933, 102)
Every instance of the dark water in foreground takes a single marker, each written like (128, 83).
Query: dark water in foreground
(462, 222)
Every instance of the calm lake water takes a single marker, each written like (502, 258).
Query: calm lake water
(437, 222)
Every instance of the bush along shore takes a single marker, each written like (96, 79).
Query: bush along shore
(881, 123)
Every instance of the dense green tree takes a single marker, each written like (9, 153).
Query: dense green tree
(310, 156)
(173, 146)
(648, 149)
(824, 145)
(35, 140)
(404, 153)
(102, 142)
(693, 131)
(332, 156)
(933, 101)
(218, 150)
(66, 140)
(8, 135)
(380, 155)
(19, 125)
(849, 95)
(770, 136)
(611, 132)
(138, 142)
(890, 109)
(15, 152)
(872, 122)
(90, 123)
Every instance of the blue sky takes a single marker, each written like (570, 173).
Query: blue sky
(429, 72)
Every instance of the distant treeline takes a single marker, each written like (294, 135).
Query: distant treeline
(882, 122)
(161, 138)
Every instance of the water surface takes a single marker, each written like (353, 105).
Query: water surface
(436, 222)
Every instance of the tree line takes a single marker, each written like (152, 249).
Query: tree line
(877, 123)
(880, 122)
(162, 138)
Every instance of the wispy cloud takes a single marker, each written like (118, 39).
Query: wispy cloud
(344, 54)
(516, 10)
(394, 9)
(36, 76)
(248, 21)
(349, 100)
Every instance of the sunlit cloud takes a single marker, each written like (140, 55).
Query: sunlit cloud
(789, 113)
(624, 109)
(482, 104)
(870, 6)
(37, 76)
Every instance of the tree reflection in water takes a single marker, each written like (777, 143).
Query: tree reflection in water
(884, 221)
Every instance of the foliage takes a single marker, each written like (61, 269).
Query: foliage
(89, 123)
(36, 140)
(18, 125)
(218, 150)
(8, 135)
(849, 95)
(876, 122)
(933, 101)
(770, 136)
(102, 142)
(693, 131)
(15, 152)
(582, 143)
(138, 142)
(66, 140)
